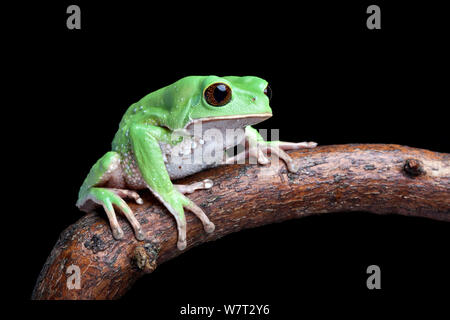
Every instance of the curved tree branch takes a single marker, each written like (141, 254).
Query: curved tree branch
(375, 178)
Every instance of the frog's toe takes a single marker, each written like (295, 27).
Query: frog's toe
(115, 227)
(262, 159)
(190, 188)
(283, 145)
(117, 233)
(209, 227)
(123, 193)
(140, 235)
(107, 197)
(181, 244)
(277, 152)
(181, 225)
(207, 183)
(293, 166)
(131, 218)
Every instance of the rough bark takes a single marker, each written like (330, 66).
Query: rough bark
(374, 178)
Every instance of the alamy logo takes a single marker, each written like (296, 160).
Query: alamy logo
(202, 145)
(374, 280)
(374, 20)
(74, 277)
(74, 20)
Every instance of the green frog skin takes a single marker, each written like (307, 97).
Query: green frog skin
(163, 124)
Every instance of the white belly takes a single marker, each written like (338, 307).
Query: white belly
(191, 156)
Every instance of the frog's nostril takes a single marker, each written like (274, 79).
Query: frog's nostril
(253, 99)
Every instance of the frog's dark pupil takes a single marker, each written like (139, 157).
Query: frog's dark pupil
(220, 93)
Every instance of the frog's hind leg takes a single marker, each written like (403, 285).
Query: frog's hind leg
(102, 187)
(190, 188)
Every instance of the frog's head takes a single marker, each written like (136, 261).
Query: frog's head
(222, 102)
(231, 102)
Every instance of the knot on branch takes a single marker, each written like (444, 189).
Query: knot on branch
(413, 167)
(144, 257)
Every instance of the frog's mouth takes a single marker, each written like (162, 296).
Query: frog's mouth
(226, 122)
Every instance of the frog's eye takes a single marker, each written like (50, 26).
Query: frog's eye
(218, 94)
(268, 92)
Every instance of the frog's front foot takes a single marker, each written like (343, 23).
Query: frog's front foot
(108, 198)
(277, 148)
(260, 149)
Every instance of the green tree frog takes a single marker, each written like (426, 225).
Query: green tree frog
(158, 136)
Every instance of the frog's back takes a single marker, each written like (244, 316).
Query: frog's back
(145, 110)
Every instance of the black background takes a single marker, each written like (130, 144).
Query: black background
(333, 81)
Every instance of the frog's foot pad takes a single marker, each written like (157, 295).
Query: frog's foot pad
(181, 244)
(190, 188)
